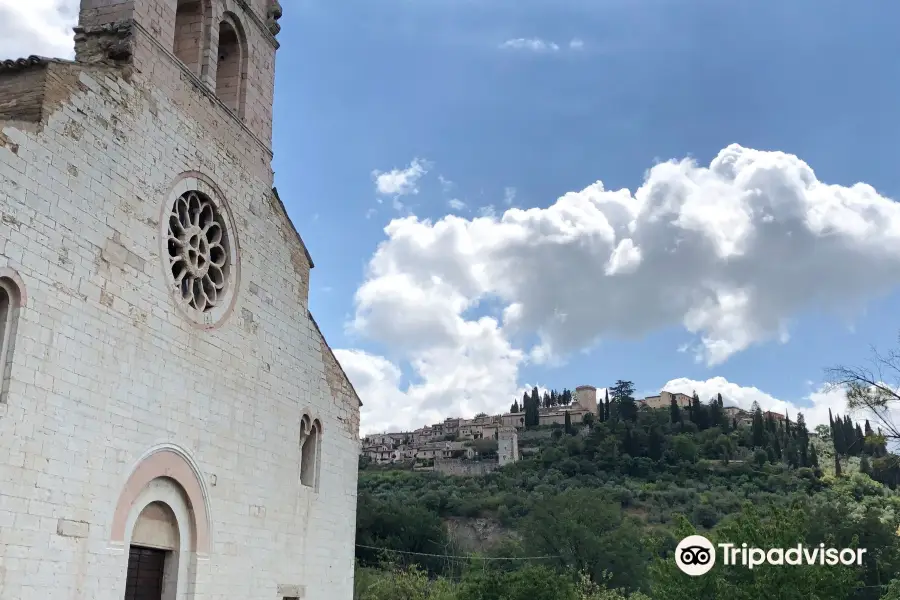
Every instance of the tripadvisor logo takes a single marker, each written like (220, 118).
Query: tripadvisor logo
(695, 555)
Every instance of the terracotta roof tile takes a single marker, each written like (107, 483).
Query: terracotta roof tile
(20, 64)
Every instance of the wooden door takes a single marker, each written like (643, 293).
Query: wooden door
(145, 574)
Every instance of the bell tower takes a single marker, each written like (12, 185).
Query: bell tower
(226, 48)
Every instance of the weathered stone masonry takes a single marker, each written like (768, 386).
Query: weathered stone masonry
(115, 400)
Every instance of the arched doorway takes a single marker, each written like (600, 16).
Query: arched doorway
(161, 520)
(153, 554)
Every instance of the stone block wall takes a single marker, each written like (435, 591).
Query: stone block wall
(143, 33)
(22, 94)
(456, 466)
(106, 369)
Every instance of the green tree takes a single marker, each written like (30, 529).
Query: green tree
(383, 523)
(802, 436)
(725, 448)
(531, 582)
(716, 412)
(589, 533)
(684, 448)
(864, 466)
(397, 583)
(622, 389)
(777, 528)
(623, 396)
(758, 427)
(893, 590)
(674, 411)
(656, 443)
(837, 435)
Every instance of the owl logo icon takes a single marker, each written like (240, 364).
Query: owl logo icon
(695, 555)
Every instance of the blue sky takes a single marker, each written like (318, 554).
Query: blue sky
(392, 115)
(366, 86)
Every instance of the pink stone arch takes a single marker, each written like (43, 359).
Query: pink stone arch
(169, 463)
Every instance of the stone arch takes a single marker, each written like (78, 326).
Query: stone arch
(310, 450)
(191, 39)
(173, 468)
(12, 300)
(231, 64)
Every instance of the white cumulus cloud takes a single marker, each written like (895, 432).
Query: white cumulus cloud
(731, 251)
(400, 182)
(42, 27)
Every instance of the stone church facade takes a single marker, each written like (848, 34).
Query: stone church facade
(173, 425)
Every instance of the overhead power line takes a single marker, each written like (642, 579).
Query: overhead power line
(462, 557)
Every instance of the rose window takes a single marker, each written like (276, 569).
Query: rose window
(198, 251)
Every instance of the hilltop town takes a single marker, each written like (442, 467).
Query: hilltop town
(486, 442)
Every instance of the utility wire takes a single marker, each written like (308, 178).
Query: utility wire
(464, 557)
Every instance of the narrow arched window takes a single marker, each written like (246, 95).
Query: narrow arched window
(10, 296)
(231, 71)
(189, 34)
(310, 452)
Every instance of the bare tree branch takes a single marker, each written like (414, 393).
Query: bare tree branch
(868, 389)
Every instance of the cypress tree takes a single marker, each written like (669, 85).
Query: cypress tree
(568, 423)
(802, 440)
(793, 457)
(850, 437)
(758, 427)
(674, 411)
(864, 466)
(813, 457)
(606, 406)
(655, 443)
(837, 436)
(715, 412)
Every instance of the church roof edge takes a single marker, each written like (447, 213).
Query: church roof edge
(297, 233)
(13, 65)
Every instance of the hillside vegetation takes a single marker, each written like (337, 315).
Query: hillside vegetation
(595, 512)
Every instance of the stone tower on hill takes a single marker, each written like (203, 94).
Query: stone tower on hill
(586, 396)
(172, 422)
(507, 445)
